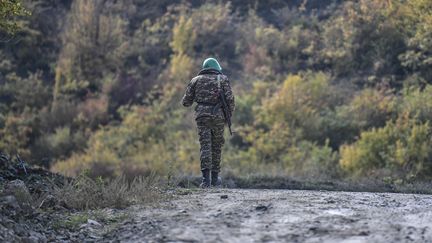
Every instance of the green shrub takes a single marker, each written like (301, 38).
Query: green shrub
(58, 145)
(402, 148)
(417, 103)
(280, 152)
(302, 101)
(15, 134)
(369, 108)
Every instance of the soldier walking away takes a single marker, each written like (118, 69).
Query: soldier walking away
(212, 92)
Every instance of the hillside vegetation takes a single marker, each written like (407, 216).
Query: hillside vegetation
(324, 89)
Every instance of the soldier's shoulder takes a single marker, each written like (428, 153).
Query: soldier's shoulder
(195, 79)
(205, 76)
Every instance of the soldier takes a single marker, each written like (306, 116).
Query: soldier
(205, 89)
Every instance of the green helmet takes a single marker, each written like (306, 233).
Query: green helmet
(211, 63)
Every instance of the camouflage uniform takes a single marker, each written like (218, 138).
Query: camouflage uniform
(204, 90)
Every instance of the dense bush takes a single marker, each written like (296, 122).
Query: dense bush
(418, 103)
(302, 103)
(402, 147)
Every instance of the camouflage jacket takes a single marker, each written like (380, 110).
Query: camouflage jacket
(204, 90)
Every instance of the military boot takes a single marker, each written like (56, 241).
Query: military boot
(216, 181)
(205, 178)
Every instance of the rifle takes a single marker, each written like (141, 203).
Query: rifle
(225, 109)
(22, 163)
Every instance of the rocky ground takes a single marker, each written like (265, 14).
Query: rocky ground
(236, 215)
(30, 211)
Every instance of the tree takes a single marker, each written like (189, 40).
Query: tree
(9, 10)
(92, 47)
(415, 18)
(182, 43)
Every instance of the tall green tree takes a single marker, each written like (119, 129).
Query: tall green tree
(92, 46)
(9, 10)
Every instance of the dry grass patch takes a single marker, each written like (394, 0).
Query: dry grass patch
(84, 192)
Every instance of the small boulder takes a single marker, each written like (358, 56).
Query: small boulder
(93, 224)
(18, 189)
(10, 202)
(262, 207)
(30, 239)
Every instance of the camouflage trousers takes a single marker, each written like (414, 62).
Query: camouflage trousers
(211, 138)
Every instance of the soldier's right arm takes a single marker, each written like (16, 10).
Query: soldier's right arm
(189, 96)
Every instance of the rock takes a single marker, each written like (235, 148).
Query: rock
(10, 201)
(40, 237)
(313, 228)
(91, 224)
(262, 208)
(224, 196)
(18, 189)
(7, 234)
(19, 230)
(30, 239)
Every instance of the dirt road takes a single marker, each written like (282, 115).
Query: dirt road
(228, 215)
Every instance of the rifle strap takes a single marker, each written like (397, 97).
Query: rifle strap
(217, 107)
(220, 87)
(219, 83)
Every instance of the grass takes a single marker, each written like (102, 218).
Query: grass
(74, 221)
(84, 192)
(71, 222)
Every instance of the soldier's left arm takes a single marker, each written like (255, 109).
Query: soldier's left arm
(229, 96)
(189, 96)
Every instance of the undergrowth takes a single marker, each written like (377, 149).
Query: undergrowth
(84, 192)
